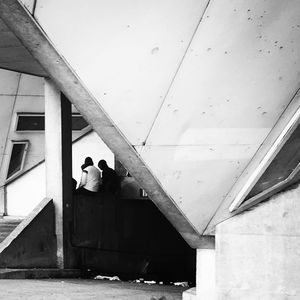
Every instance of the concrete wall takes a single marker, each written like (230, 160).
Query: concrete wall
(35, 245)
(258, 251)
(198, 89)
(32, 184)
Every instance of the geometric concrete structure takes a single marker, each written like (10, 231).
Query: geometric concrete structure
(195, 99)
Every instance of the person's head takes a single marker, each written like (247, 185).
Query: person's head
(102, 164)
(88, 161)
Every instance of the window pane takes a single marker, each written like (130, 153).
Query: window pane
(16, 158)
(29, 123)
(37, 123)
(78, 122)
(282, 166)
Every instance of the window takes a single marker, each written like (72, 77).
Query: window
(282, 172)
(30, 122)
(36, 122)
(78, 122)
(17, 158)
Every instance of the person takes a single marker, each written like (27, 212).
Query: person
(90, 178)
(110, 179)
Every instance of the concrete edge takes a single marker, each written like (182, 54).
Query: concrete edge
(24, 224)
(32, 36)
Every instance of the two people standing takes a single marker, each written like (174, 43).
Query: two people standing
(91, 181)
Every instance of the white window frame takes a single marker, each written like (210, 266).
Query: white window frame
(27, 115)
(41, 115)
(26, 142)
(237, 204)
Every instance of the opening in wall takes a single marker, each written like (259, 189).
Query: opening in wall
(29, 122)
(17, 158)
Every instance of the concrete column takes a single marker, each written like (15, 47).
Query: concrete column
(58, 154)
(258, 251)
(205, 276)
(205, 272)
(2, 201)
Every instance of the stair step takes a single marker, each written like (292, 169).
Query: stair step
(7, 225)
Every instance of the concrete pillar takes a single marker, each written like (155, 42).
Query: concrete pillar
(205, 272)
(258, 251)
(58, 155)
(2, 201)
(205, 276)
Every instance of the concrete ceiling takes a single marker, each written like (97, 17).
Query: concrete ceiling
(14, 56)
(196, 86)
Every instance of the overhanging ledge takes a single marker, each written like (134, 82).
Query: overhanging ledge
(18, 19)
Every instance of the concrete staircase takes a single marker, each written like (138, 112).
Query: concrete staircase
(7, 225)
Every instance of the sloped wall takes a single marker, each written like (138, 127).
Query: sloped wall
(198, 89)
(257, 252)
(35, 245)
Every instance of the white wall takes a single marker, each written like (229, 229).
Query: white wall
(27, 191)
(202, 93)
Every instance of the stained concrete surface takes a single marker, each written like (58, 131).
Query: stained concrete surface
(85, 289)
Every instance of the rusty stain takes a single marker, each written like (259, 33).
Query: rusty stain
(175, 111)
(280, 77)
(259, 107)
(208, 49)
(264, 113)
(228, 100)
(250, 19)
(234, 10)
(203, 112)
(249, 10)
(211, 149)
(284, 215)
(269, 51)
(104, 94)
(154, 50)
(225, 52)
(281, 47)
(260, 50)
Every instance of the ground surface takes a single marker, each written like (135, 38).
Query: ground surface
(85, 289)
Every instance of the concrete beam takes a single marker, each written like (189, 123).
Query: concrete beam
(13, 13)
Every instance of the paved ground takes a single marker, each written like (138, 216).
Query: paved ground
(85, 289)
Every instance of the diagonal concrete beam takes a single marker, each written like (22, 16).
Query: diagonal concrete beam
(18, 19)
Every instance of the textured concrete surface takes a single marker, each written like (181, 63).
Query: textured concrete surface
(257, 252)
(85, 289)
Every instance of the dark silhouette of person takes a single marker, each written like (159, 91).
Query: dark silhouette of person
(110, 179)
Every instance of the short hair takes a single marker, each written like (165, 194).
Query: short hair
(88, 161)
(102, 162)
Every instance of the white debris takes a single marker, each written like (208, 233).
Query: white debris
(150, 282)
(184, 284)
(113, 278)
